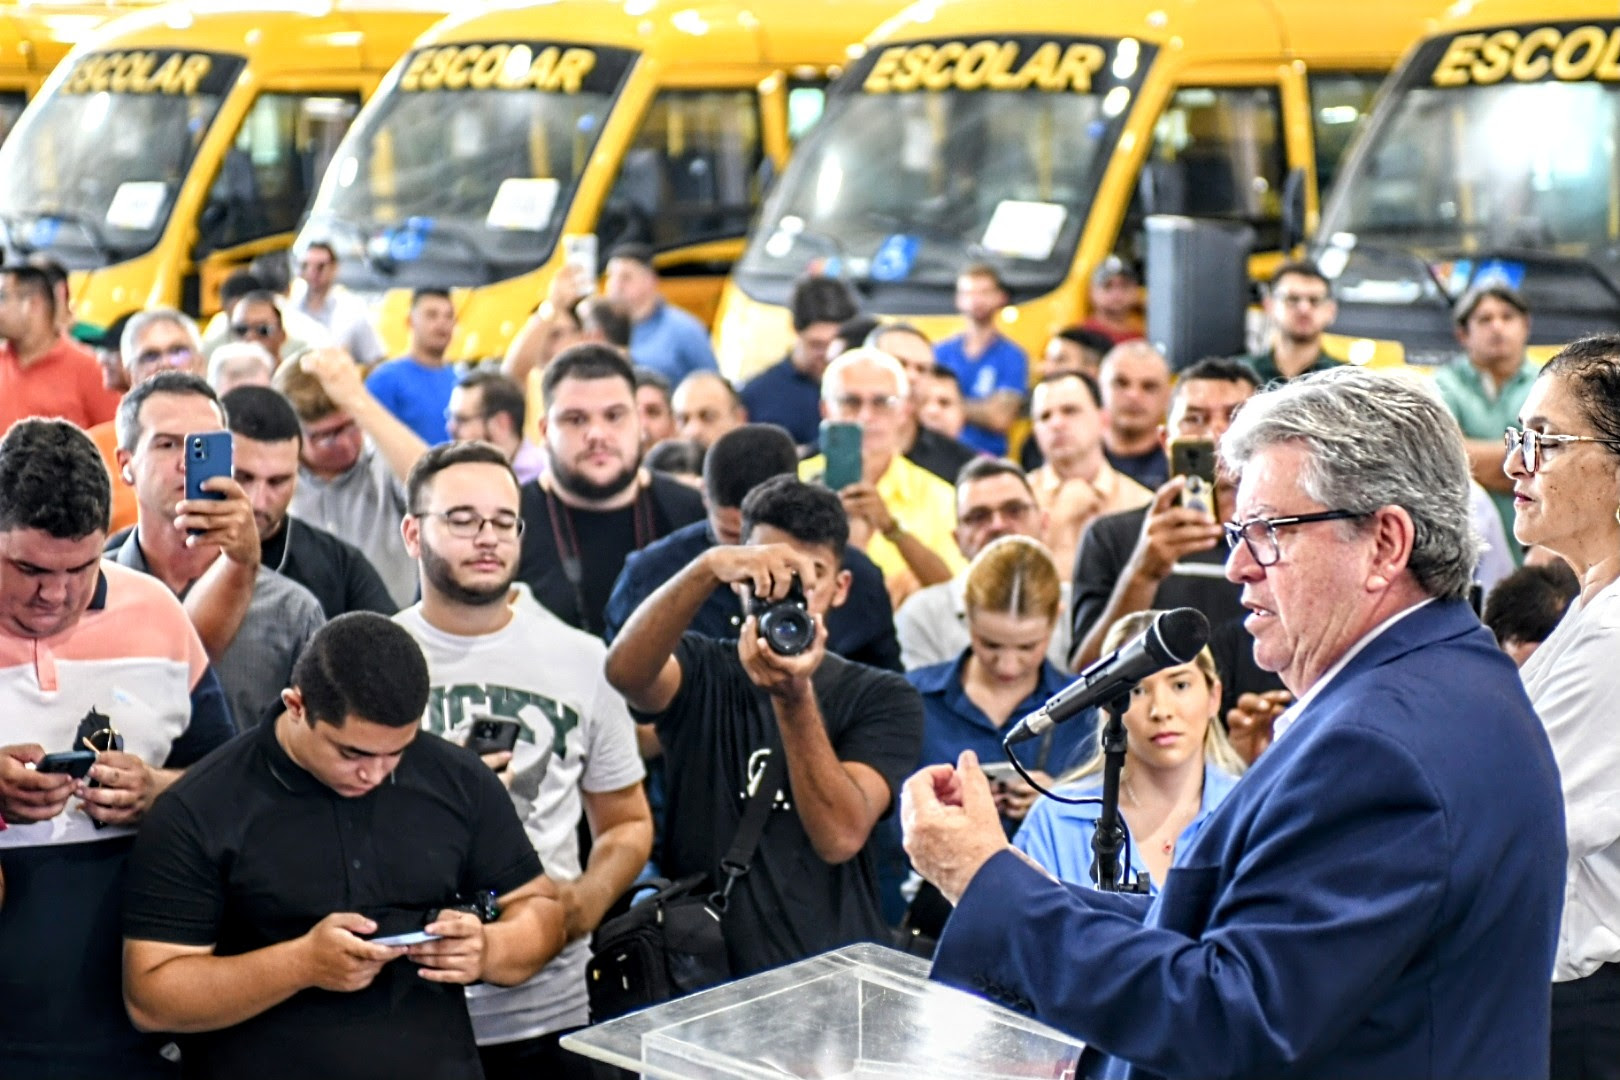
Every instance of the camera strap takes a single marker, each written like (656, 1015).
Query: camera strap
(737, 859)
(566, 540)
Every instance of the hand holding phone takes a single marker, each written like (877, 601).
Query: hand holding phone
(74, 763)
(841, 450)
(1194, 460)
(208, 454)
(492, 735)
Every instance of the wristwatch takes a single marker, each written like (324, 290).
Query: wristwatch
(893, 531)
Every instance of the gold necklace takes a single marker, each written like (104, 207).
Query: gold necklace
(1170, 844)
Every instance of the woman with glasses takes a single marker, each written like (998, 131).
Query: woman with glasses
(1178, 767)
(1564, 460)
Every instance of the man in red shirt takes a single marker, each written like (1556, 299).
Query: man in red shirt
(42, 371)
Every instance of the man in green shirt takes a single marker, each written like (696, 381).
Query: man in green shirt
(1485, 387)
(1300, 307)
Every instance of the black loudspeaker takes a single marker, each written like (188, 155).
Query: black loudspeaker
(1197, 287)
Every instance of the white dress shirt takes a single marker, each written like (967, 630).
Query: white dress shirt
(1574, 682)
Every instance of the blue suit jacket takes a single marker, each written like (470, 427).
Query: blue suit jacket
(1379, 897)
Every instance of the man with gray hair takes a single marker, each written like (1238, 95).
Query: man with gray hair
(1370, 901)
(240, 363)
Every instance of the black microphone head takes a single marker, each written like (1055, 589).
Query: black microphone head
(1176, 636)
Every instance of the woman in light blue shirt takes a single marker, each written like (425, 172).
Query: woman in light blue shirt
(1178, 768)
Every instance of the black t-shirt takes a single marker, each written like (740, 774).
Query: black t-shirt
(940, 454)
(717, 733)
(600, 540)
(248, 850)
(337, 572)
(1198, 582)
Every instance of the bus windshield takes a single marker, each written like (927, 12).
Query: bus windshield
(902, 185)
(1469, 171)
(91, 172)
(463, 170)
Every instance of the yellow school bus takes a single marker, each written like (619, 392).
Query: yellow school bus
(1492, 155)
(34, 37)
(1036, 137)
(518, 135)
(174, 144)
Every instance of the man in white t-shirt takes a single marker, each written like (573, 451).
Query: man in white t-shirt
(493, 652)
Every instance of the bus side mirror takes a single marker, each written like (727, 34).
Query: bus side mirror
(1293, 209)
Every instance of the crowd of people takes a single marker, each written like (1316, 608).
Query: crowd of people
(274, 679)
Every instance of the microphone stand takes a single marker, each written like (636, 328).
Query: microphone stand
(1109, 836)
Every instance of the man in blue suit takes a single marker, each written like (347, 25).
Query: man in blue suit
(1379, 896)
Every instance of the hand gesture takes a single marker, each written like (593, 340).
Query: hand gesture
(568, 286)
(862, 501)
(27, 796)
(458, 955)
(337, 373)
(765, 570)
(951, 825)
(225, 523)
(1171, 532)
(1249, 721)
(127, 788)
(336, 958)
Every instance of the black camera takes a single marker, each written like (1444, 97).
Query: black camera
(786, 624)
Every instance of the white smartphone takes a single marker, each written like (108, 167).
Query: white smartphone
(416, 937)
(999, 772)
(580, 251)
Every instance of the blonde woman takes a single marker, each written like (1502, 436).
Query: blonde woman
(1178, 768)
(1012, 603)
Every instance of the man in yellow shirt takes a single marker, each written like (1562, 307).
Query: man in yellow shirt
(900, 514)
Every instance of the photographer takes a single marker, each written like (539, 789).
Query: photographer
(846, 734)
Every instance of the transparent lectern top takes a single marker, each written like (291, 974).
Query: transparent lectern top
(860, 1012)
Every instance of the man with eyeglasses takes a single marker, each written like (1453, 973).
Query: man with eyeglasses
(490, 407)
(1077, 484)
(939, 453)
(43, 372)
(993, 499)
(316, 293)
(352, 463)
(1485, 387)
(1381, 897)
(576, 746)
(900, 514)
(104, 659)
(1164, 555)
(149, 341)
(254, 620)
(1299, 307)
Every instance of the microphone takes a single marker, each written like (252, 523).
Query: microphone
(1174, 638)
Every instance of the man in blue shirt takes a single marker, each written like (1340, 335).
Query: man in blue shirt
(993, 371)
(789, 392)
(662, 336)
(416, 387)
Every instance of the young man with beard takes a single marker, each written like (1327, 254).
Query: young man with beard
(596, 505)
(1299, 304)
(576, 748)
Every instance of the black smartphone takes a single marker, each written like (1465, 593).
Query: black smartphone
(208, 454)
(491, 735)
(841, 450)
(76, 763)
(1194, 459)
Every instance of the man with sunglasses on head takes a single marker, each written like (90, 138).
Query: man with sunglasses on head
(352, 462)
(103, 659)
(1165, 555)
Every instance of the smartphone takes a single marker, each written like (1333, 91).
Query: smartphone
(841, 449)
(1194, 459)
(208, 454)
(580, 251)
(76, 763)
(415, 937)
(999, 772)
(491, 735)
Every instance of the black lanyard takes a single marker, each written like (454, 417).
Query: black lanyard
(567, 542)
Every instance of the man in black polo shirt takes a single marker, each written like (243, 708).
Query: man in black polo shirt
(266, 440)
(839, 737)
(254, 885)
(596, 504)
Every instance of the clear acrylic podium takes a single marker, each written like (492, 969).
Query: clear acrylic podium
(860, 1012)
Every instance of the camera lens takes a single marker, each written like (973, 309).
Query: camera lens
(788, 629)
